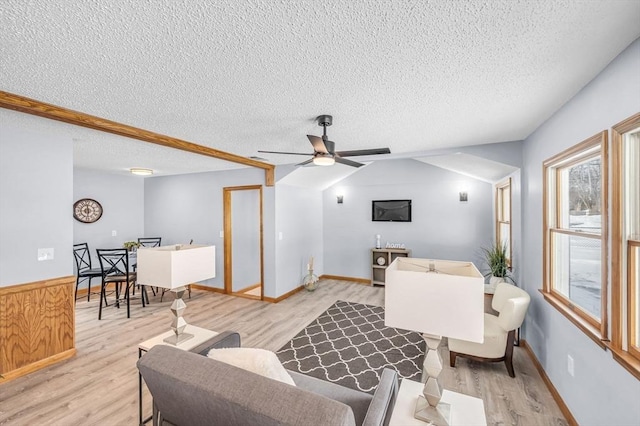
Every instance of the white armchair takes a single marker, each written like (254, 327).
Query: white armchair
(499, 331)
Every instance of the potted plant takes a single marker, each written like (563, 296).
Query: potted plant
(131, 245)
(496, 259)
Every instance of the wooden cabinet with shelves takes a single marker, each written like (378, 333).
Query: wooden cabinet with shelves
(380, 259)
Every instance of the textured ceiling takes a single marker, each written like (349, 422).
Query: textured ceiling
(243, 75)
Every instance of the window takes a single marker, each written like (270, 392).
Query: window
(625, 251)
(503, 216)
(575, 234)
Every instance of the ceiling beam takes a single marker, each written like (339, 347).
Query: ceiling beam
(53, 112)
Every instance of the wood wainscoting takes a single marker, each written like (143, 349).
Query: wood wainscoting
(37, 325)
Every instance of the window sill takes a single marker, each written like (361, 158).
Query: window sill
(592, 332)
(631, 364)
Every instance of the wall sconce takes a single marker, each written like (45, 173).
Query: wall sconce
(464, 197)
(340, 199)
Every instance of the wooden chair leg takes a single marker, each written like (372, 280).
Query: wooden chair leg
(144, 296)
(508, 354)
(452, 358)
(102, 295)
(118, 288)
(77, 284)
(128, 290)
(105, 296)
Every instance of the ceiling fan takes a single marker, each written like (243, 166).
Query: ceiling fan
(324, 153)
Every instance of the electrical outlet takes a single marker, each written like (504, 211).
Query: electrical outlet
(45, 254)
(114, 233)
(570, 368)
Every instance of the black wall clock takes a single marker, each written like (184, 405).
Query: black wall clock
(87, 210)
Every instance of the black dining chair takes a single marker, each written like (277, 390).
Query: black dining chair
(114, 264)
(83, 266)
(150, 241)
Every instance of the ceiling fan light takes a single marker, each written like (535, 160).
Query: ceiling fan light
(322, 160)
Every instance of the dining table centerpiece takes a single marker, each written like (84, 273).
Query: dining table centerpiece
(131, 245)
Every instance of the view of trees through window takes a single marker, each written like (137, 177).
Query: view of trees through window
(585, 196)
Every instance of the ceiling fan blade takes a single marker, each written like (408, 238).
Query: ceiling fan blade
(372, 151)
(318, 144)
(281, 152)
(347, 162)
(304, 163)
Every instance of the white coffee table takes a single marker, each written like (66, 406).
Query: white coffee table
(465, 410)
(200, 335)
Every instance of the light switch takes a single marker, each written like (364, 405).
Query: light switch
(280, 236)
(221, 234)
(114, 233)
(45, 254)
(570, 366)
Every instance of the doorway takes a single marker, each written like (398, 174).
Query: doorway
(243, 242)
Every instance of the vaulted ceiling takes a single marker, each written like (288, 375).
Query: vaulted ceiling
(241, 75)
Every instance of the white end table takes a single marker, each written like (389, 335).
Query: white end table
(200, 335)
(465, 410)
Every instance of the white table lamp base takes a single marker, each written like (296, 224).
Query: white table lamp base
(428, 407)
(440, 415)
(178, 324)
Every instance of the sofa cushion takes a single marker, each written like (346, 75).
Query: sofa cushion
(358, 401)
(258, 361)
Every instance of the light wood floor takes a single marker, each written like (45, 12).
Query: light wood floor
(100, 384)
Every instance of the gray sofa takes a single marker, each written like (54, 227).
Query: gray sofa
(191, 389)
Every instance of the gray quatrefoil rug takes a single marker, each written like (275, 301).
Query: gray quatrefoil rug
(350, 345)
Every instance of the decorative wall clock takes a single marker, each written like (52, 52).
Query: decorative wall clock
(87, 210)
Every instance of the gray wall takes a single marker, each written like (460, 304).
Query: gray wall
(442, 227)
(36, 196)
(122, 200)
(299, 219)
(184, 207)
(602, 392)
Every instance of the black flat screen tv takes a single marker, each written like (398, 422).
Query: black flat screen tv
(391, 210)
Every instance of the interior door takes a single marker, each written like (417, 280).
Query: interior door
(243, 259)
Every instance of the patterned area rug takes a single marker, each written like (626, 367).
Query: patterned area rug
(350, 345)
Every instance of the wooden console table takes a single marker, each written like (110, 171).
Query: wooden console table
(380, 259)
